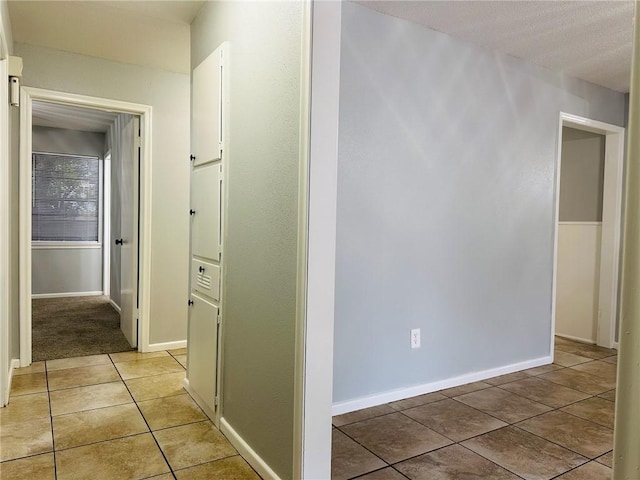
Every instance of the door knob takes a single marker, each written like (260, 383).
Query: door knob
(201, 269)
(119, 241)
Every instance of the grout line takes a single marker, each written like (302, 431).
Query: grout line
(53, 438)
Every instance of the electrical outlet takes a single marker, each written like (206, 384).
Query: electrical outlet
(415, 338)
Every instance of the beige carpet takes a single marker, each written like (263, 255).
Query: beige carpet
(75, 326)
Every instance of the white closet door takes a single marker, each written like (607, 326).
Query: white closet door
(205, 207)
(203, 349)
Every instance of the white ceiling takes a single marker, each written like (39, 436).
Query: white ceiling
(590, 40)
(149, 33)
(71, 117)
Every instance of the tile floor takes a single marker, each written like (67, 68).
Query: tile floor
(112, 417)
(554, 421)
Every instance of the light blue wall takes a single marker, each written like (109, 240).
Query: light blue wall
(445, 203)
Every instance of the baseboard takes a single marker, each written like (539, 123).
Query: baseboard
(15, 363)
(247, 452)
(115, 306)
(156, 347)
(576, 339)
(616, 346)
(201, 403)
(66, 294)
(400, 394)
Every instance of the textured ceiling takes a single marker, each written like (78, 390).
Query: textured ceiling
(590, 40)
(149, 33)
(71, 117)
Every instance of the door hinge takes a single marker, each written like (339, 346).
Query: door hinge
(219, 320)
(190, 302)
(215, 401)
(192, 157)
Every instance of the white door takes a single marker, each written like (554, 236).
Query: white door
(129, 142)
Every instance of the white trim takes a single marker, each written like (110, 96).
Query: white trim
(322, 198)
(616, 345)
(247, 452)
(580, 223)
(15, 363)
(28, 95)
(402, 393)
(115, 306)
(5, 220)
(611, 224)
(66, 294)
(576, 339)
(156, 347)
(106, 225)
(65, 246)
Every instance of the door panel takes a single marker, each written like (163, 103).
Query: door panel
(129, 230)
(205, 279)
(207, 109)
(205, 201)
(203, 349)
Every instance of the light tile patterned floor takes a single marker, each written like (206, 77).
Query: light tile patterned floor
(111, 417)
(554, 421)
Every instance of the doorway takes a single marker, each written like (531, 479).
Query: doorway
(133, 220)
(588, 205)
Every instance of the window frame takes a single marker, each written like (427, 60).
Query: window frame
(62, 244)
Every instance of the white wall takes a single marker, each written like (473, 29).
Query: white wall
(445, 205)
(58, 269)
(168, 94)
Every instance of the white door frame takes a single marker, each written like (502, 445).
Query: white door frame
(611, 224)
(27, 96)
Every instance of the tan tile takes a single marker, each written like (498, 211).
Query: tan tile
(178, 351)
(504, 405)
(133, 457)
(133, 355)
(599, 369)
(80, 377)
(39, 467)
(565, 359)
(35, 367)
(182, 360)
(206, 444)
(76, 362)
(26, 438)
(148, 367)
(542, 369)
(541, 391)
(171, 411)
(597, 410)
(417, 401)
(82, 428)
(510, 377)
(29, 383)
(452, 462)
(613, 359)
(585, 350)
(454, 420)
(610, 395)
(164, 476)
(582, 436)
(232, 468)
(147, 388)
(385, 474)
(462, 389)
(395, 437)
(88, 398)
(606, 459)
(358, 415)
(588, 471)
(25, 408)
(524, 454)
(349, 459)
(580, 381)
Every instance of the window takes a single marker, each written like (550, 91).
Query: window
(66, 198)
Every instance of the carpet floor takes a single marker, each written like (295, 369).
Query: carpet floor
(75, 326)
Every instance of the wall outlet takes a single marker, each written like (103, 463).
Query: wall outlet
(415, 338)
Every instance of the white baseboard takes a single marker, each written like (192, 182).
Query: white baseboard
(156, 347)
(247, 452)
(66, 294)
(400, 394)
(115, 306)
(616, 346)
(15, 363)
(576, 339)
